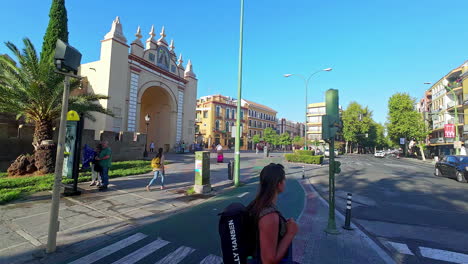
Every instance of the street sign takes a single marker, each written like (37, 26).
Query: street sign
(402, 141)
(449, 130)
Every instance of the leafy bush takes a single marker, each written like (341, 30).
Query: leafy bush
(304, 158)
(304, 152)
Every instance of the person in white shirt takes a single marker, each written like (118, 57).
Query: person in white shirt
(463, 150)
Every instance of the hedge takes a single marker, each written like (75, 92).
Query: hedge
(304, 152)
(304, 158)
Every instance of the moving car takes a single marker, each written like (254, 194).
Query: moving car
(453, 167)
(379, 154)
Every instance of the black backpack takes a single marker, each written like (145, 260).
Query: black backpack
(237, 232)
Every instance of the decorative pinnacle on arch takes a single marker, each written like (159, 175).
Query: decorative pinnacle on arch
(116, 31)
(172, 47)
(189, 70)
(151, 34)
(138, 33)
(162, 40)
(180, 61)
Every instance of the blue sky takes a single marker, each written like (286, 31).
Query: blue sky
(376, 47)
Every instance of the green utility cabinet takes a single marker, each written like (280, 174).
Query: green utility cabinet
(202, 172)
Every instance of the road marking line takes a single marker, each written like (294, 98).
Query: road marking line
(242, 195)
(402, 248)
(142, 252)
(212, 259)
(28, 237)
(104, 252)
(444, 255)
(177, 256)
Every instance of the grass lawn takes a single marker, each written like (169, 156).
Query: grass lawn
(17, 187)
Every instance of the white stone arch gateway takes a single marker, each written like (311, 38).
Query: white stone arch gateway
(143, 79)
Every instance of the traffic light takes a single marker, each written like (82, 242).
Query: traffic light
(331, 104)
(337, 167)
(331, 120)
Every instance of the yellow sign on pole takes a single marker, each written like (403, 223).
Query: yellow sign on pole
(73, 116)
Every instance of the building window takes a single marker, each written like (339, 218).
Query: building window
(227, 112)
(250, 122)
(205, 114)
(151, 57)
(242, 114)
(250, 132)
(228, 128)
(233, 114)
(217, 125)
(218, 111)
(117, 122)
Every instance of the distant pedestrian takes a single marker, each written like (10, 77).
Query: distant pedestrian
(256, 148)
(275, 233)
(105, 161)
(96, 169)
(183, 147)
(463, 150)
(152, 146)
(219, 151)
(158, 168)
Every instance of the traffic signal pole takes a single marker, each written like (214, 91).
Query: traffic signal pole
(331, 226)
(329, 130)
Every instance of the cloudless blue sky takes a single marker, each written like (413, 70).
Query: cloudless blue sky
(376, 47)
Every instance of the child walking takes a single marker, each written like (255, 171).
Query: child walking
(158, 167)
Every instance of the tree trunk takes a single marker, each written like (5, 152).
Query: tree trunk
(346, 147)
(422, 152)
(42, 131)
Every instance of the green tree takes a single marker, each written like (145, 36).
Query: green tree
(256, 138)
(285, 139)
(57, 29)
(357, 122)
(404, 121)
(31, 90)
(269, 135)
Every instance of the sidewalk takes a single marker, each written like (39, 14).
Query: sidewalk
(95, 217)
(313, 245)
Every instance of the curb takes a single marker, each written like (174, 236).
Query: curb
(378, 249)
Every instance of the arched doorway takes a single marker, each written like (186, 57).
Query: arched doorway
(159, 104)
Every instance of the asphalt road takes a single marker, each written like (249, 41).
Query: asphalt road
(419, 217)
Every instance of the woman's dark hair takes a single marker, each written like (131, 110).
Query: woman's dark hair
(270, 176)
(160, 152)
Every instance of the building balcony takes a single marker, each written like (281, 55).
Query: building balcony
(454, 85)
(441, 140)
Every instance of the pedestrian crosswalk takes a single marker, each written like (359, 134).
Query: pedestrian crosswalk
(142, 246)
(430, 253)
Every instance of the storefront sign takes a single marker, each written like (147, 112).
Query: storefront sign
(449, 130)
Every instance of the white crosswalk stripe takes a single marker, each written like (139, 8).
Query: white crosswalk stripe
(104, 252)
(212, 259)
(444, 255)
(176, 256)
(142, 252)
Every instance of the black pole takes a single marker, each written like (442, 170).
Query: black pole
(145, 153)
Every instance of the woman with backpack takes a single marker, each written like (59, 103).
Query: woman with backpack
(274, 233)
(158, 167)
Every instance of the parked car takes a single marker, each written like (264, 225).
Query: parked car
(379, 154)
(453, 167)
(327, 152)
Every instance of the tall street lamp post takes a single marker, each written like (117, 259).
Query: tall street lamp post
(239, 102)
(306, 84)
(147, 119)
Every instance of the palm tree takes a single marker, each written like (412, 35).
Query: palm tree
(33, 91)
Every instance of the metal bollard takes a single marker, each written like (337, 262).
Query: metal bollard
(347, 224)
(303, 172)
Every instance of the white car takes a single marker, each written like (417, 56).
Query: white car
(327, 153)
(379, 154)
